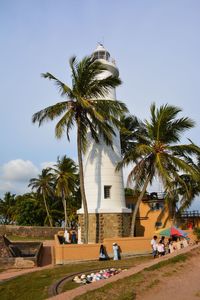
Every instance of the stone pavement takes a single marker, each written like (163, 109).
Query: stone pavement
(47, 262)
(71, 294)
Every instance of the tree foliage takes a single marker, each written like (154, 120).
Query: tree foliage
(156, 151)
(84, 108)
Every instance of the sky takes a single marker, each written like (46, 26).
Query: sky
(156, 46)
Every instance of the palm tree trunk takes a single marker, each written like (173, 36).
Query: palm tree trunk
(82, 187)
(47, 211)
(133, 221)
(65, 208)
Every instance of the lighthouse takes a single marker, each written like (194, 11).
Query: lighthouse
(108, 215)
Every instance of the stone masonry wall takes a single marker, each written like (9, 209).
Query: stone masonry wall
(29, 231)
(106, 225)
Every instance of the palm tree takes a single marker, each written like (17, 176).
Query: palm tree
(65, 174)
(130, 130)
(43, 185)
(156, 151)
(185, 190)
(83, 110)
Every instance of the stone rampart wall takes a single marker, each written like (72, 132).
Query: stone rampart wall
(29, 231)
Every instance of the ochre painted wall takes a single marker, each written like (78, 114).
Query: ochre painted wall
(74, 252)
(148, 217)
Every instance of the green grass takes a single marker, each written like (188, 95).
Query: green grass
(35, 286)
(170, 273)
(174, 260)
(14, 238)
(153, 283)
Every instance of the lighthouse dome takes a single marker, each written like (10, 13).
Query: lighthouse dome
(101, 53)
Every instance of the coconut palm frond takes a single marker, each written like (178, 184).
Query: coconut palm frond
(50, 113)
(64, 90)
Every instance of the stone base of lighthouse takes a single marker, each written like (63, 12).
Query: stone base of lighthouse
(106, 225)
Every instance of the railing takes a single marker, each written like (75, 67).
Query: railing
(155, 196)
(190, 214)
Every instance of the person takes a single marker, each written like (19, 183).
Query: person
(115, 251)
(73, 237)
(102, 253)
(162, 241)
(66, 236)
(161, 248)
(174, 243)
(185, 243)
(169, 246)
(179, 244)
(154, 246)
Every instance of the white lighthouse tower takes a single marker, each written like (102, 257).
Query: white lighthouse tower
(108, 215)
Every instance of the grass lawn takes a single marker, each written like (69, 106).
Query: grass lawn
(35, 286)
(16, 238)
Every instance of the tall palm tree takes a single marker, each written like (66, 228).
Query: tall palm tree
(43, 185)
(83, 109)
(130, 130)
(156, 152)
(65, 173)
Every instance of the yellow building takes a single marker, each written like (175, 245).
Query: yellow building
(153, 214)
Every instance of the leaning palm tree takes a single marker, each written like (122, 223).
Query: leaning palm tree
(83, 109)
(156, 152)
(43, 185)
(65, 174)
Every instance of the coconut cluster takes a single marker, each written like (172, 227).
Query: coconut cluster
(102, 274)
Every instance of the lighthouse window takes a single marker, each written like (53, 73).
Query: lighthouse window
(95, 55)
(102, 54)
(107, 189)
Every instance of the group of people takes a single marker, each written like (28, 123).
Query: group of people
(70, 236)
(165, 247)
(104, 256)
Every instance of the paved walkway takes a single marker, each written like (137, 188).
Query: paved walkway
(71, 294)
(47, 262)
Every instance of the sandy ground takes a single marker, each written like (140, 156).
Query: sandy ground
(178, 284)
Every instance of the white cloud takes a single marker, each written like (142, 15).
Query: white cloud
(15, 175)
(19, 170)
(5, 186)
(47, 164)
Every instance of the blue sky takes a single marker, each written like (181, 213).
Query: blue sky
(156, 45)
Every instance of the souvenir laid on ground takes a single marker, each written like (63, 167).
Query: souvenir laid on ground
(102, 274)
